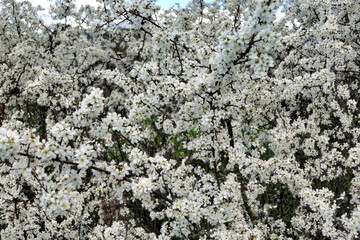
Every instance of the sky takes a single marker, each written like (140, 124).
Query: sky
(170, 3)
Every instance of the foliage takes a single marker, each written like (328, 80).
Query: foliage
(216, 121)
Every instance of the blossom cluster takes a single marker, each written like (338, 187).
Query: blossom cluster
(214, 121)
